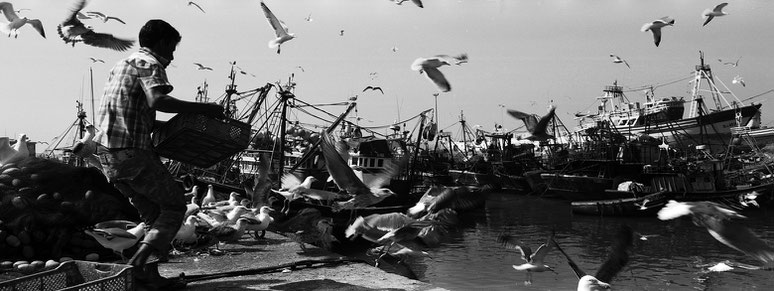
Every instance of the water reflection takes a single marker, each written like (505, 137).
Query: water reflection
(669, 259)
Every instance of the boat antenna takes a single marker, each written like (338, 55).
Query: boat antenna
(230, 90)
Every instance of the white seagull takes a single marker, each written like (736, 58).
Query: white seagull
(618, 60)
(616, 260)
(201, 67)
(417, 2)
(72, 30)
(535, 262)
(430, 66)
(14, 22)
(708, 14)
(96, 60)
(738, 80)
(537, 128)
(104, 17)
(655, 27)
(280, 30)
(720, 223)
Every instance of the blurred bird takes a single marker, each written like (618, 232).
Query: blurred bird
(616, 260)
(619, 60)
(96, 60)
(72, 30)
(117, 239)
(103, 17)
(301, 68)
(280, 30)
(14, 22)
(261, 221)
(708, 14)
(209, 197)
(321, 234)
(309, 18)
(535, 262)
(417, 2)
(748, 199)
(537, 128)
(720, 224)
(202, 67)
(430, 66)
(86, 147)
(341, 32)
(443, 197)
(191, 3)
(655, 27)
(261, 182)
(732, 64)
(187, 232)
(738, 80)
(293, 188)
(233, 200)
(373, 88)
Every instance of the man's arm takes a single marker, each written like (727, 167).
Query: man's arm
(160, 101)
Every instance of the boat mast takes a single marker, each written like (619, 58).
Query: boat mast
(229, 112)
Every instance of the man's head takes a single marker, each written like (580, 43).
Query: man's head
(160, 37)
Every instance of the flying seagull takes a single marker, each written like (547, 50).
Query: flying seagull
(96, 60)
(309, 18)
(417, 2)
(720, 223)
(201, 67)
(373, 88)
(618, 60)
(191, 3)
(14, 22)
(732, 64)
(429, 66)
(280, 30)
(616, 260)
(738, 80)
(395, 49)
(708, 14)
(341, 32)
(104, 17)
(534, 261)
(655, 27)
(537, 128)
(72, 31)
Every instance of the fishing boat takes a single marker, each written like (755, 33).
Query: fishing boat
(635, 205)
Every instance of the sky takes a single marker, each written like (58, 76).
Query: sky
(522, 55)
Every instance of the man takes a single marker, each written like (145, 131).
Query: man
(136, 89)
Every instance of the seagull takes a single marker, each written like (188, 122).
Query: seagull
(293, 188)
(96, 60)
(616, 260)
(187, 232)
(395, 49)
(280, 30)
(14, 22)
(374, 89)
(534, 261)
(309, 18)
(386, 228)
(748, 199)
(118, 239)
(201, 67)
(537, 128)
(22, 9)
(301, 68)
(430, 67)
(261, 222)
(104, 17)
(417, 2)
(341, 32)
(209, 197)
(738, 80)
(732, 64)
(619, 60)
(708, 14)
(72, 31)
(442, 197)
(720, 224)
(197, 6)
(655, 27)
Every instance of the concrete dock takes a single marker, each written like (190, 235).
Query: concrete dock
(277, 263)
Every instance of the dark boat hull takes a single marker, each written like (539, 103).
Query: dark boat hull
(646, 205)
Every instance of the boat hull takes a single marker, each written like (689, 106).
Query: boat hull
(646, 205)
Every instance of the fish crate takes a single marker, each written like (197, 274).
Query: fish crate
(76, 275)
(200, 140)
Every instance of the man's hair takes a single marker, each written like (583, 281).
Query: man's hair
(156, 30)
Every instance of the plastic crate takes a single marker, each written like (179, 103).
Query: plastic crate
(200, 140)
(76, 275)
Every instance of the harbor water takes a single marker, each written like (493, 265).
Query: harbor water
(674, 256)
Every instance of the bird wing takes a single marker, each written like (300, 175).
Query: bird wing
(708, 17)
(738, 237)
(720, 6)
(627, 64)
(542, 124)
(199, 65)
(530, 121)
(8, 11)
(390, 170)
(619, 255)
(116, 19)
(418, 3)
(72, 18)
(279, 29)
(543, 250)
(340, 172)
(656, 35)
(577, 270)
(417, 64)
(510, 242)
(38, 26)
(437, 77)
(289, 181)
(388, 221)
(197, 6)
(95, 14)
(105, 40)
(646, 26)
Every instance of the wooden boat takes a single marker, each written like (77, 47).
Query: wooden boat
(646, 205)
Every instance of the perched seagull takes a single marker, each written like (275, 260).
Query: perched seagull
(191, 3)
(373, 88)
(187, 232)
(732, 64)
(738, 80)
(201, 67)
(209, 197)
(309, 18)
(655, 27)
(280, 30)
(534, 261)
(261, 222)
(720, 224)
(616, 260)
(118, 239)
(619, 60)
(72, 31)
(537, 128)
(430, 66)
(417, 2)
(104, 17)
(96, 60)
(14, 22)
(708, 14)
